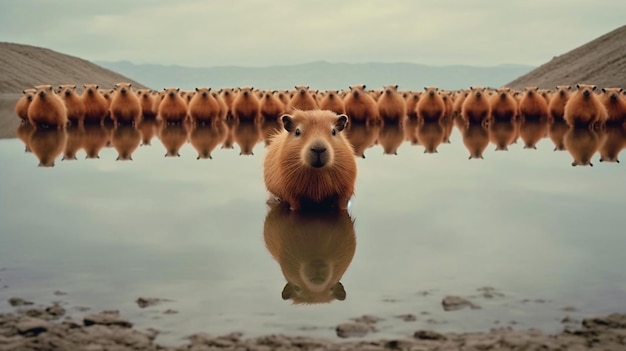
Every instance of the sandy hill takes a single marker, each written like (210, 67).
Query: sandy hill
(602, 62)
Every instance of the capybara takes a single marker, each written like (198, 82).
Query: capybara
(228, 95)
(74, 142)
(556, 107)
(584, 108)
(95, 138)
(47, 145)
(284, 96)
(430, 106)
(73, 103)
(476, 108)
(502, 133)
(302, 100)
(125, 139)
(390, 137)
(203, 107)
(270, 106)
(125, 106)
(532, 105)
(149, 109)
(411, 99)
(391, 105)
(556, 132)
(173, 137)
(459, 99)
(96, 106)
(246, 105)
(173, 108)
(448, 102)
(333, 102)
(476, 139)
(205, 138)
(246, 134)
(582, 144)
(148, 128)
(360, 106)
(311, 162)
(222, 104)
(21, 107)
(430, 134)
(361, 137)
(615, 104)
(313, 250)
(613, 143)
(531, 131)
(503, 105)
(47, 109)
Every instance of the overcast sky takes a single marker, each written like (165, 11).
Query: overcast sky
(261, 33)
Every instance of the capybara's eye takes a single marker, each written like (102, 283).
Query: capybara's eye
(334, 132)
(298, 132)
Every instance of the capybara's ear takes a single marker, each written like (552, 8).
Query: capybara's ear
(338, 291)
(363, 86)
(577, 86)
(197, 89)
(287, 292)
(341, 122)
(593, 87)
(288, 123)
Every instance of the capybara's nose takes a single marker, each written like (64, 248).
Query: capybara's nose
(245, 93)
(478, 94)
(503, 95)
(586, 93)
(432, 93)
(388, 91)
(302, 91)
(171, 94)
(204, 94)
(68, 93)
(123, 91)
(42, 93)
(318, 149)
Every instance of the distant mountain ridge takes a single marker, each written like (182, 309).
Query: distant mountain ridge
(320, 75)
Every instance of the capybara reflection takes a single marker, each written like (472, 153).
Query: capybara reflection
(148, 128)
(584, 109)
(391, 105)
(73, 103)
(447, 122)
(313, 250)
(390, 137)
(310, 162)
(47, 109)
(430, 134)
(96, 106)
(582, 144)
(556, 132)
(269, 127)
(614, 142)
(246, 134)
(410, 130)
(531, 131)
(430, 106)
(95, 137)
(229, 141)
(361, 106)
(302, 100)
(125, 139)
(502, 133)
(205, 138)
(47, 145)
(21, 107)
(74, 142)
(24, 130)
(533, 105)
(361, 137)
(173, 137)
(476, 139)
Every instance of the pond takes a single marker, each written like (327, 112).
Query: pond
(520, 233)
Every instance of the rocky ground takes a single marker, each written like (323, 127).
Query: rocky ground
(47, 328)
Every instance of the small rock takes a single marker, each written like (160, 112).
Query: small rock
(568, 319)
(32, 326)
(349, 330)
(454, 303)
(428, 335)
(407, 317)
(16, 301)
(106, 318)
(55, 311)
(144, 302)
(170, 311)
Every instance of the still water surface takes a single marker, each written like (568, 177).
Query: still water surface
(426, 225)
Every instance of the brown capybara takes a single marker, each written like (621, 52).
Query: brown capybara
(582, 144)
(95, 137)
(546, 95)
(556, 133)
(302, 100)
(457, 106)
(21, 107)
(361, 137)
(205, 138)
(125, 106)
(148, 128)
(125, 139)
(613, 144)
(375, 94)
(47, 145)
(503, 105)
(360, 106)
(229, 141)
(73, 103)
(228, 95)
(284, 96)
(556, 107)
(270, 105)
(146, 100)
(332, 101)
(411, 99)
(448, 102)
(502, 133)
(246, 105)
(311, 162)
(222, 104)
(173, 137)
(447, 122)
(615, 104)
(246, 134)
(24, 130)
(187, 96)
(173, 108)
(584, 108)
(531, 131)
(47, 109)
(410, 130)
(476, 139)
(74, 142)
(532, 105)
(96, 106)
(430, 106)
(391, 105)
(476, 108)
(390, 137)
(203, 107)
(157, 98)
(430, 134)
(269, 127)
(313, 250)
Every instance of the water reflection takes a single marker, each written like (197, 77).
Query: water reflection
(503, 133)
(582, 144)
(125, 139)
(362, 137)
(173, 136)
(475, 138)
(205, 138)
(533, 130)
(430, 134)
(47, 145)
(313, 249)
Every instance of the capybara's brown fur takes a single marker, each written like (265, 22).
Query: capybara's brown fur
(21, 107)
(228, 95)
(96, 136)
(556, 107)
(448, 126)
(313, 250)
(584, 108)
(531, 131)
(360, 106)
(125, 139)
(503, 105)
(332, 101)
(173, 137)
(222, 104)
(125, 106)
(270, 105)
(269, 127)
(246, 105)
(302, 100)
(430, 134)
(311, 161)
(47, 145)
(149, 109)
(205, 138)
(448, 102)
(391, 105)
(613, 144)
(284, 96)
(582, 144)
(556, 132)
(390, 137)
(546, 95)
(24, 130)
(430, 106)
(501, 133)
(457, 106)
(148, 128)
(615, 104)
(532, 105)
(96, 106)
(73, 103)
(247, 134)
(74, 142)
(476, 108)
(173, 108)
(47, 109)
(411, 99)
(362, 137)
(203, 107)
(476, 139)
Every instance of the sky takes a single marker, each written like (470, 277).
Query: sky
(202, 33)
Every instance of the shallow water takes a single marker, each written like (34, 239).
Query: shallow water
(544, 234)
